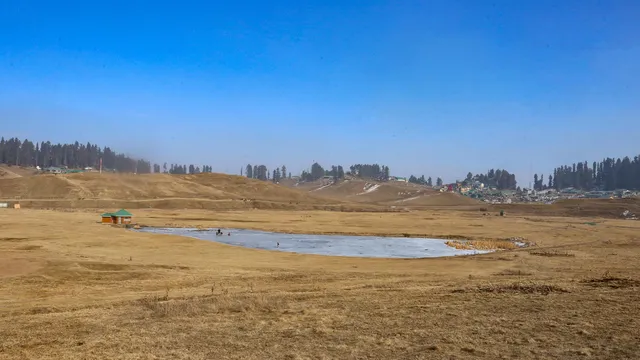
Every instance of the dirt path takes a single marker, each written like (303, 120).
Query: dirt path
(82, 190)
(8, 174)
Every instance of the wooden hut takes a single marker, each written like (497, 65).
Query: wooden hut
(121, 216)
(106, 218)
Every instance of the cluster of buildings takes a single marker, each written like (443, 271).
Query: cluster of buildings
(492, 195)
(398, 178)
(546, 196)
(62, 170)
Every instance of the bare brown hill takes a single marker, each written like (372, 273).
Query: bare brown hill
(606, 208)
(10, 172)
(148, 187)
(230, 192)
(439, 199)
(370, 192)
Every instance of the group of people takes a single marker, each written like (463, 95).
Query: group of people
(220, 233)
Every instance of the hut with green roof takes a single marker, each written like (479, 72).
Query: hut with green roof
(121, 216)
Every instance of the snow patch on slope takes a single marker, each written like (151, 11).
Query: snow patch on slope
(321, 187)
(408, 199)
(369, 188)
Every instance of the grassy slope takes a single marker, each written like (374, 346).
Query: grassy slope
(8, 172)
(219, 191)
(148, 186)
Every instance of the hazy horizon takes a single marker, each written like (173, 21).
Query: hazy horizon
(439, 89)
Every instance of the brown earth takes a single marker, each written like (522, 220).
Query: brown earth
(439, 199)
(74, 288)
(10, 172)
(147, 187)
(385, 193)
(228, 192)
(609, 208)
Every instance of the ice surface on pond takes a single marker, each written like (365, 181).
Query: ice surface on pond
(336, 245)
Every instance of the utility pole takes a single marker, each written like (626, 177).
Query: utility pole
(530, 171)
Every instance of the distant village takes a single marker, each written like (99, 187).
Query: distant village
(61, 170)
(492, 195)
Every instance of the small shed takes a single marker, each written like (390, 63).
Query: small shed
(121, 216)
(106, 218)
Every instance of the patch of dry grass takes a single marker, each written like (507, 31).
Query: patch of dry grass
(29, 247)
(13, 239)
(164, 306)
(516, 288)
(551, 253)
(610, 281)
(482, 245)
(513, 272)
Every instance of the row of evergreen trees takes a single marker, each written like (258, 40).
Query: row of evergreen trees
(370, 171)
(79, 156)
(500, 179)
(608, 174)
(183, 169)
(44, 154)
(421, 180)
(261, 172)
(316, 172)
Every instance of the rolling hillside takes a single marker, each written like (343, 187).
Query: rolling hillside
(148, 187)
(10, 172)
(370, 192)
(438, 199)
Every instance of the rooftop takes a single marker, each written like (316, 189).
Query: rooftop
(119, 213)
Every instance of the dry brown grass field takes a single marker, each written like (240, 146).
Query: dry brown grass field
(71, 287)
(10, 172)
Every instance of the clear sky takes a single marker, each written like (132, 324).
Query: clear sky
(426, 87)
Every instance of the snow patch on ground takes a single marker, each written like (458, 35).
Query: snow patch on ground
(335, 245)
(408, 199)
(369, 188)
(321, 187)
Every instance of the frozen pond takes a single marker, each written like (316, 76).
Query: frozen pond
(336, 245)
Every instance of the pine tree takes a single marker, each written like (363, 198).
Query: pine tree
(469, 178)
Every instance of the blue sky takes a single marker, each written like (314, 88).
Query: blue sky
(426, 87)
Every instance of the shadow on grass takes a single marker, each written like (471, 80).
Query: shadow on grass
(163, 306)
(515, 288)
(609, 281)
